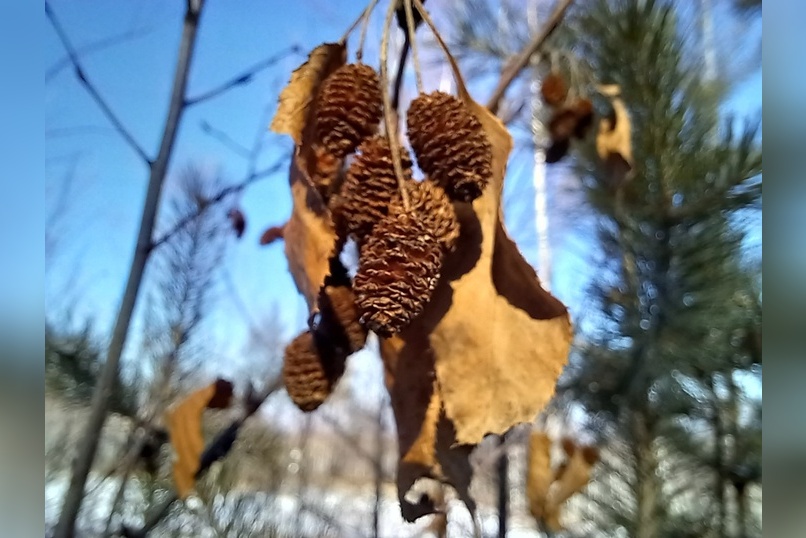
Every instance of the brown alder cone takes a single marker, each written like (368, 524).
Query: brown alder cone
(450, 144)
(339, 320)
(430, 205)
(349, 108)
(562, 124)
(369, 188)
(583, 110)
(310, 370)
(554, 89)
(398, 270)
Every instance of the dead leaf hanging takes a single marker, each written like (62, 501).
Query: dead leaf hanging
(184, 428)
(614, 138)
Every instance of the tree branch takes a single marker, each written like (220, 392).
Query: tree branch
(90, 87)
(244, 77)
(223, 193)
(519, 62)
(105, 43)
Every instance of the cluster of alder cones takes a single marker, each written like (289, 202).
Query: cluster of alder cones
(403, 228)
(570, 118)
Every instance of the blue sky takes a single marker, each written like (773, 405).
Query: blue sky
(90, 264)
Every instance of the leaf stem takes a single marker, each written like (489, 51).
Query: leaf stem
(412, 31)
(391, 124)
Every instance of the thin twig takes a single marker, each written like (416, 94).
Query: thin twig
(223, 193)
(225, 139)
(359, 54)
(96, 46)
(391, 124)
(412, 38)
(401, 65)
(514, 68)
(354, 25)
(90, 87)
(244, 77)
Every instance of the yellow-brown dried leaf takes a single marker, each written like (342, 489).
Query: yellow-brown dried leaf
(298, 95)
(539, 476)
(571, 478)
(614, 139)
(185, 431)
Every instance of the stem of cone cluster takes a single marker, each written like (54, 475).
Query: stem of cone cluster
(412, 31)
(391, 124)
(359, 54)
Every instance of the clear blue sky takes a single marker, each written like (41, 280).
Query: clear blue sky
(90, 264)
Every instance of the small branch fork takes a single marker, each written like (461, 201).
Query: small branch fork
(90, 87)
(73, 58)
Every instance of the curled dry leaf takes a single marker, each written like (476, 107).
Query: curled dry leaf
(310, 238)
(185, 431)
(237, 221)
(571, 477)
(539, 475)
(614, 139)
(272, 234)
(297, 98)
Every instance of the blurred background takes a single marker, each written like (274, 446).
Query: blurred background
(660, 269)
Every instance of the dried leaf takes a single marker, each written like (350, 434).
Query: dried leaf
(486, 351)
(539, 476)
(493, 330)
(310, 238)
(184, 428)
(570, 478)
(297, 97)
(614, 138)
(272, 234)
(426, 438)
(237, 221)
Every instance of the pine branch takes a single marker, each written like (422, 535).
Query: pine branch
(90, 87)
(244, 77)
(520, 61)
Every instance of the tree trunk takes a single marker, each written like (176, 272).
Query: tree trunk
(88, 446)
(647, 489)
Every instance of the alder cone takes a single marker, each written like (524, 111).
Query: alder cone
(562, 124)
(369, 188)
(553, 89)
(398, 270)
(583, 110)
(349, 108)
(450, 144)
(431, 206)
(339, 318)
(310, 370)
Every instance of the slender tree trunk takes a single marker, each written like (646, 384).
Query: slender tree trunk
(87, 448)
(647, 489)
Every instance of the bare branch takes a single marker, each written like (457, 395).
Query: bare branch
(222, 194)
(517, 64)
(244, 77)
(96, 46)
(90, 87)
